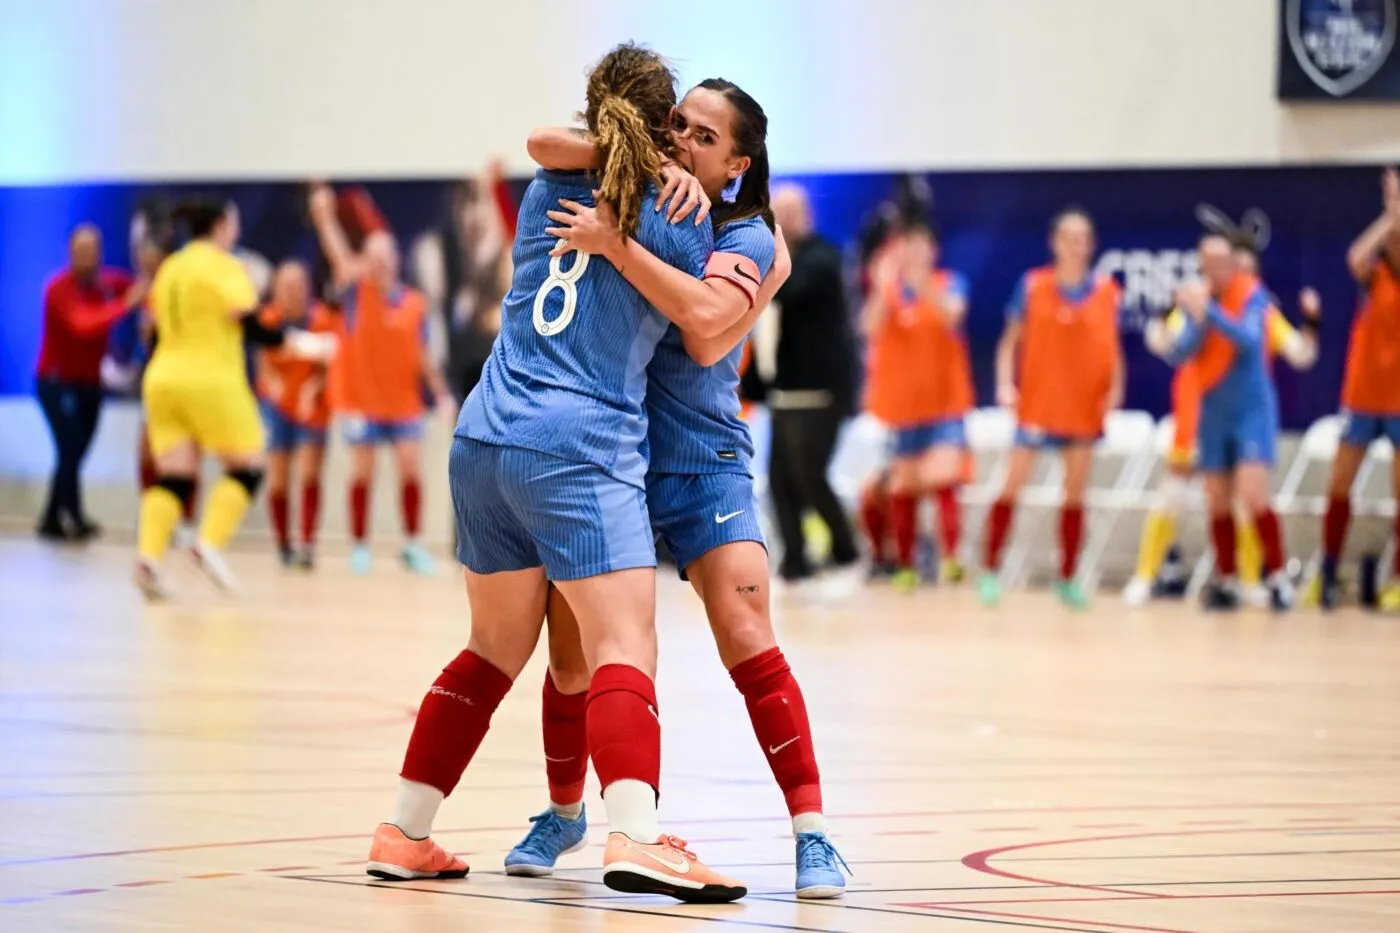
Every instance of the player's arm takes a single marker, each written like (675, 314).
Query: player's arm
(951, 302)
(1008, 345)
(1246, 332)
(711, 351)
(562, 148)
(346, 265)
(884, 273)
(706, 306)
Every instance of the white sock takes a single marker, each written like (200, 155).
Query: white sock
(569, 811)
(415, 809)
(631, 807)
(808, 823)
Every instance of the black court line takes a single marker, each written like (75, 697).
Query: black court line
(756, 924)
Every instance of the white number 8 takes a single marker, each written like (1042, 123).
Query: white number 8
(565, 282)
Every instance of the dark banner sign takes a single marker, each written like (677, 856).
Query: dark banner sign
(1336, 50)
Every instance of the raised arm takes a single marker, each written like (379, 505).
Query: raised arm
(1362, 256)
(345, 263)
(704, 307)
(563, 148)
(1246, 332)
(884, 271)
(711, 351)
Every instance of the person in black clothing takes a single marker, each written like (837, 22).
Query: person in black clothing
(812, 389)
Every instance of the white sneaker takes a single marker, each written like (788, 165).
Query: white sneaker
(209, 560)
(1256, 596)
(185, 537)
(1138, 592)
(151, 581)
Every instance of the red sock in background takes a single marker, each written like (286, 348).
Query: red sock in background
(453, 720)
(277, 508)
(193, 502)
(411, 499)
(1397, 549)
(1334, 528)
(950, 520)
(565, 742)
(624, 731)
(359, 511)
(998, 529)
(779, 717)
(904, 511)
(310, 511)
(873, 518)
(1266, 523)
(1222, 538)
(1071, 537)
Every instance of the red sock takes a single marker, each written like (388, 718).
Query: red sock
(1270, 539)
(904, 511)
(779, 717)
(1334, 528)
(624, 733)
(1397, 547)
(277, 506)
(998, 530)
(873, 518)
(359, 511)
(310, 511)
(950, 520)
(453, 720)
(412, 501)
(1222, 537)
(565, 742)
(192, 502)
(1071, 535)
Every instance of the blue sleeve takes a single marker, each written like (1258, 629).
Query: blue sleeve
(957, 287)
(1188, 342)
(685, 246)
(1247, 333)
(753, 240)
(1016, 307)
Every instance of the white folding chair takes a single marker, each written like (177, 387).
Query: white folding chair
(1318, 445)
(1132, 437)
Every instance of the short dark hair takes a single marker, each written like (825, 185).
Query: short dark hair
(1065, 213)
(200, 214)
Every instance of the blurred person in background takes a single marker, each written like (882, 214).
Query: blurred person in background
(1224, 338)
(1160, 570)
(920, 384)
(812, 389)
(1060, 366)
(81, 303)
(1370, 390)
(378, 376)
(292, 393)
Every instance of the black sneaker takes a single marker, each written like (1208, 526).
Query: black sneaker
(1221, 596)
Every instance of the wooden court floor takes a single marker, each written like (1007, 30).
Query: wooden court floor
(219, 764)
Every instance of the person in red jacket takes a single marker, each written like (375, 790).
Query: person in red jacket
(81, 303)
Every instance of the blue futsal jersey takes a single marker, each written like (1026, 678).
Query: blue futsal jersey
(694, 410)
(567, 375)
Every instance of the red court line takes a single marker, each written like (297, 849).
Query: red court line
(216, 874)
(1097, 923)
(910, 814)
(142, 884)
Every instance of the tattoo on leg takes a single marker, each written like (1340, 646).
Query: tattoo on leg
(747, 588)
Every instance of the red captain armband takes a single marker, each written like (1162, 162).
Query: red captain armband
(739, 271)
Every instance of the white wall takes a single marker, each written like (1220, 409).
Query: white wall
(167, 89)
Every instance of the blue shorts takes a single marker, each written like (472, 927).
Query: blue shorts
(694, 513)
(1036, 439)
(519, 508)
(360, 431)
(1359, 430)
(912, 441)
(1224, 441)
(285, 435)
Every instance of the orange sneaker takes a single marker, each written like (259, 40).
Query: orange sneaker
(395, 857)
(665, 867)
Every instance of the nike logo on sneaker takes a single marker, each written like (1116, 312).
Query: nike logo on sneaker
(721, 519)
(681, 868)
(774, 749)
(741, 273)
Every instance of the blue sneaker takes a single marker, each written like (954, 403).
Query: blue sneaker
(818, 874)
(417, 559)
(361, 560)
(550, 837)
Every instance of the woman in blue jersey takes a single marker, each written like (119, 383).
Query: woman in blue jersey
(547, 474)
(699, 486)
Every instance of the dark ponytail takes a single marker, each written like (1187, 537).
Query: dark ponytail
(200, 214)
(750, 128)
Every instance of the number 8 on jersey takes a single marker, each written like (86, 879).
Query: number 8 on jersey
(567, 282)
